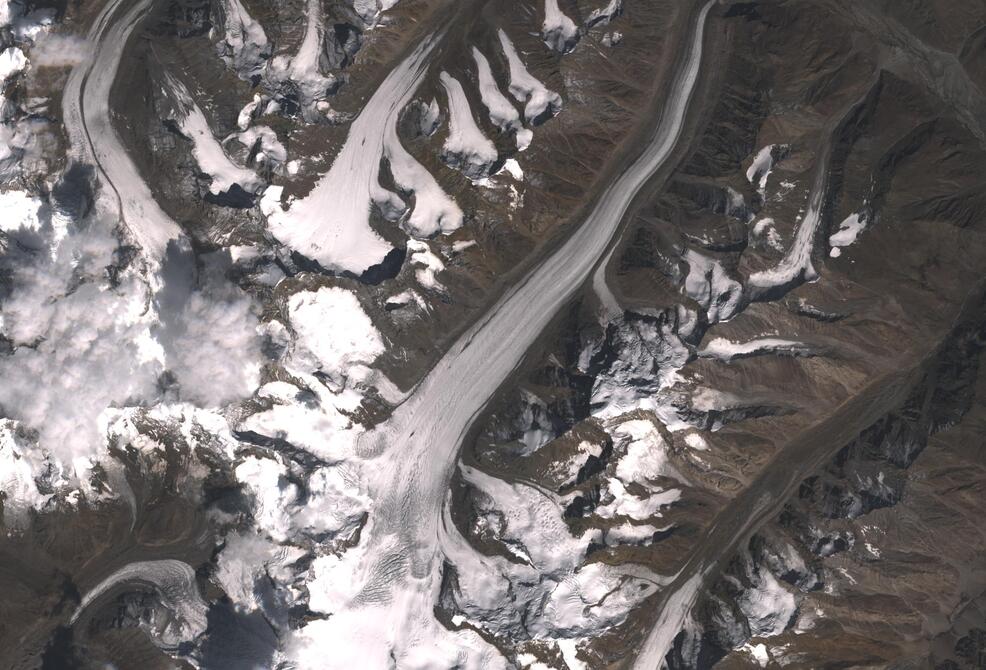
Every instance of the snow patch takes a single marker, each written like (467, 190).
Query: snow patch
(849, 230)
(427, 264)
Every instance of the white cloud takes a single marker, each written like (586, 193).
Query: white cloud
(54, 50)
(80, 342)
(216, 358)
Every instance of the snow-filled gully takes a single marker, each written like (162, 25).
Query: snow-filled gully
(393, 575)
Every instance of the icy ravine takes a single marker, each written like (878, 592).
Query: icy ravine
(396, 574)
(87, 121)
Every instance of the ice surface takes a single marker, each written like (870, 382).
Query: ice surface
(85, 348)
(534, 526)
(758, 652)
(212, 160)
(273, 494)
(796, 266)
(612, 39)
(760, 169)
(333, 333)
(767, 605)
(214, 350)
(646, 453)
(266, 140)
(20, 466)
(19, 211)
(248, 562)
(334, 337)
(245, 117)
(539, 101)
(12, 62)
(622, 503)
(434, 211)
(322, 426)
(632, 534)
(406, 298)
(304, 69)
(174, 582)
(765, 230)
(427, 264)
(651, 353)
(696, 441)
(370, 11)
(79, 346)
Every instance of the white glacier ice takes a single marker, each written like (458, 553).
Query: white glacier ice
(331, 224)
(207, 150)
(502, 112)
(760, 168)
(849, 230)
(539, 101)
(727, 350)
(466, 147)
(558, 30)
(601, 16)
